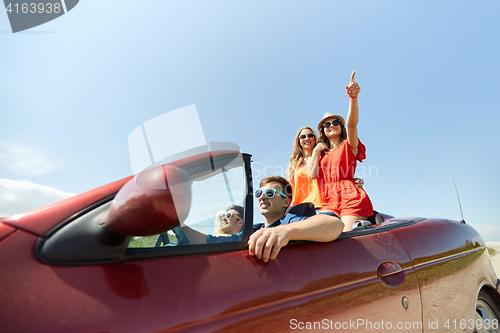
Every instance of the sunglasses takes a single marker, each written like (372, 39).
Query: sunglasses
(336, 122)
(303, 136)
(229, 215)
(269, 193)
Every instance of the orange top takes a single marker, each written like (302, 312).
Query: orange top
(305, 189)
(336, 175)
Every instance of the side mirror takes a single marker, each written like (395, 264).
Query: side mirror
(151, 203)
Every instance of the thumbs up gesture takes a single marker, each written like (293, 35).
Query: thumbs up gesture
(353, 88)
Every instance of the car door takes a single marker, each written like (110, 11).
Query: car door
(335, 286)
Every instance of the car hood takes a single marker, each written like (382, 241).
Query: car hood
(39, 221)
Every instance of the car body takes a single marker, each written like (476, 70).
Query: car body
(97, 262)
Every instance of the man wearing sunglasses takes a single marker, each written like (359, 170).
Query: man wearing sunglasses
(228, 228)
(229, 222)
(274, 197)
(279, 228)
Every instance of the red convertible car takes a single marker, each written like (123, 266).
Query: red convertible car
(116, 259)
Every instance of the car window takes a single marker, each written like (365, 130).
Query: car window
(215, 186)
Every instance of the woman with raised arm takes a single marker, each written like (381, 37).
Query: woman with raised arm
(304, 189)
(334, 162)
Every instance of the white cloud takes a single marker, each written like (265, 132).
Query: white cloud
(18, 196)
(26, 160)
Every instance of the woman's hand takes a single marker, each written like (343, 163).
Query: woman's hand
(353, 88)
(359, 182)
(320, 147)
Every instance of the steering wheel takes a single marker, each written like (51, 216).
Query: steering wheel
(181, 236)
(179, 233)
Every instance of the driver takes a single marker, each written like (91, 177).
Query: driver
(229, 222)
(228, 228)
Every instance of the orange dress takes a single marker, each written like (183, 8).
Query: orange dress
(336, 177)
(305, 189)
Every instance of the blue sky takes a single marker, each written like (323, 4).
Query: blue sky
(73, 89)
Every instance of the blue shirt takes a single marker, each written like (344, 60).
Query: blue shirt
(288, 218)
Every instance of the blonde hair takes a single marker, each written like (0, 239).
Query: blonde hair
(297, 157)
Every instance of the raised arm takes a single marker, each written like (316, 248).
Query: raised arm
(352, 90)
(313, 163)
(218, 223)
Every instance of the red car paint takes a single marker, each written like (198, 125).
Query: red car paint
(437, 266)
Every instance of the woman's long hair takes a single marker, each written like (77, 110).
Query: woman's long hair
(324, 138)
(297, 157)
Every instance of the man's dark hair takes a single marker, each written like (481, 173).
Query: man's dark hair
(287, 188)
(238, 210)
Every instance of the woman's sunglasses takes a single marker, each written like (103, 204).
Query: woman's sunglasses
(336, 122)
(229, 215)
(269, 193)
(303, 136)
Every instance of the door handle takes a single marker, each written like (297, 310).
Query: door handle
(391, 274)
